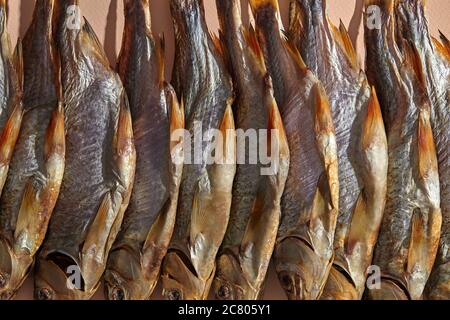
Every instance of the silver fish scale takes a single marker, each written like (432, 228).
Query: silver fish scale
(305, 164)
(92, 94)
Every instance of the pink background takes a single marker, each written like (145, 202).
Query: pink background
(106, 17)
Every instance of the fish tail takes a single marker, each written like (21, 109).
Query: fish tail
(95, 42)
(257, 4)
(384, 4)
(266, 7)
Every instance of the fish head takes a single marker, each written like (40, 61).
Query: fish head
(300, 270)
(230, 282)
(180, 280)
(58, 277)
(14, 268)
(5, 271)
(124, 278)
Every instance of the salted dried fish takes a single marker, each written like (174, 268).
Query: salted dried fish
(136, 256)
(202, 81)
(255, 210)
(304, 249)
(361, 141)
(410, 230)
(99, 170)
(37, 166)
(435, 58)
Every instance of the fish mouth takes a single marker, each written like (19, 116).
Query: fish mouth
(390, 289)
(124, 278)
(13, 270)
(301, 272)
(180, 280)
(58, 277)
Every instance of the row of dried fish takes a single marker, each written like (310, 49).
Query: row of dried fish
(92, 188)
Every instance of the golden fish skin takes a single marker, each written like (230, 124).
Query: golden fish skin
(203, 83)
(410, 230)
(99, 167)
(247, 248)
(361, 141)
(136, 256)
(435, 58)
(37, 166)
(309, 206)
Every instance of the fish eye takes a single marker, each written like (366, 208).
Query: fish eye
(44, 294)
(2, 281)
(118, 294)
(174, 294)
(224, 292)
(286, 282)
(6, 295)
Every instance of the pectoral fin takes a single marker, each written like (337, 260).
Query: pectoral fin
(98, 240)
(8, 141)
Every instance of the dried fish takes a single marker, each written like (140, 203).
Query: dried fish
(255, 211)
(202, 81)
(435, 58)
(410, 230)
(99, 170)
(136, 256)
(309, 206)
(361, 141)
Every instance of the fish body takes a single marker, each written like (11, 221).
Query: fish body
(99, 170)
(203, 83)
(136, 256)
(309, 206)
(361, 141)
(410, 230)
(435, 58)
(37, 166)
(255, 210)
